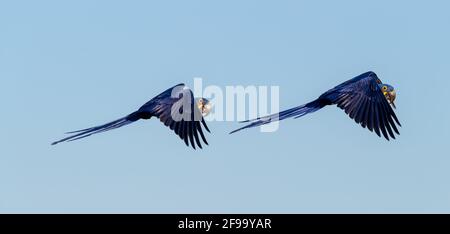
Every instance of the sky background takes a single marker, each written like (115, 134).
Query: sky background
(66, 65)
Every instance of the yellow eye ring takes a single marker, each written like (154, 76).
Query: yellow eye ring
(384, 88)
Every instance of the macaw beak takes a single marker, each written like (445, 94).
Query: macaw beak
(391, 97)
(206, 108)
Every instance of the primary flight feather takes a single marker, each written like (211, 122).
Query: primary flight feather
(364, 98)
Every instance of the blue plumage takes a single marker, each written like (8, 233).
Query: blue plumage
(364, 98)
(161, 106)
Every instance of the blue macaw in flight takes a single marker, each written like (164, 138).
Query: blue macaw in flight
(176, 108)
(364, 98)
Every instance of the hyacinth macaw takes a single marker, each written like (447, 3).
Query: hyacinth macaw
(176, 108)
(364, 98)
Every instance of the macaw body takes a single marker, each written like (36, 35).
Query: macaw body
(165, 107)
(364, 98)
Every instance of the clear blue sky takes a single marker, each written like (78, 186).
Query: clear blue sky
(66, 65)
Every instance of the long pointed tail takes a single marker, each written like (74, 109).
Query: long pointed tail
(295, 112)
(98, 129)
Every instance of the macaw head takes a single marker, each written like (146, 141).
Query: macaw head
(204, 106)
(389, 93)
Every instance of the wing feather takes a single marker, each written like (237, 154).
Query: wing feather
(197, 140)
(360, 113)
(382, 123)
(389, 117)
(376, 119)
(201, 132)
(185, 133)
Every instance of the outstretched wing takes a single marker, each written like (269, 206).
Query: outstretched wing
(363, 101)
(176, 109)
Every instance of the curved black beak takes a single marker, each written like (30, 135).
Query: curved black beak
(391, 97)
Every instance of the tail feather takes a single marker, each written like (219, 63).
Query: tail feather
(96, 127)
(295, 112)
(94, 130)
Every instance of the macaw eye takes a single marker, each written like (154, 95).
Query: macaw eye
(384, 88)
